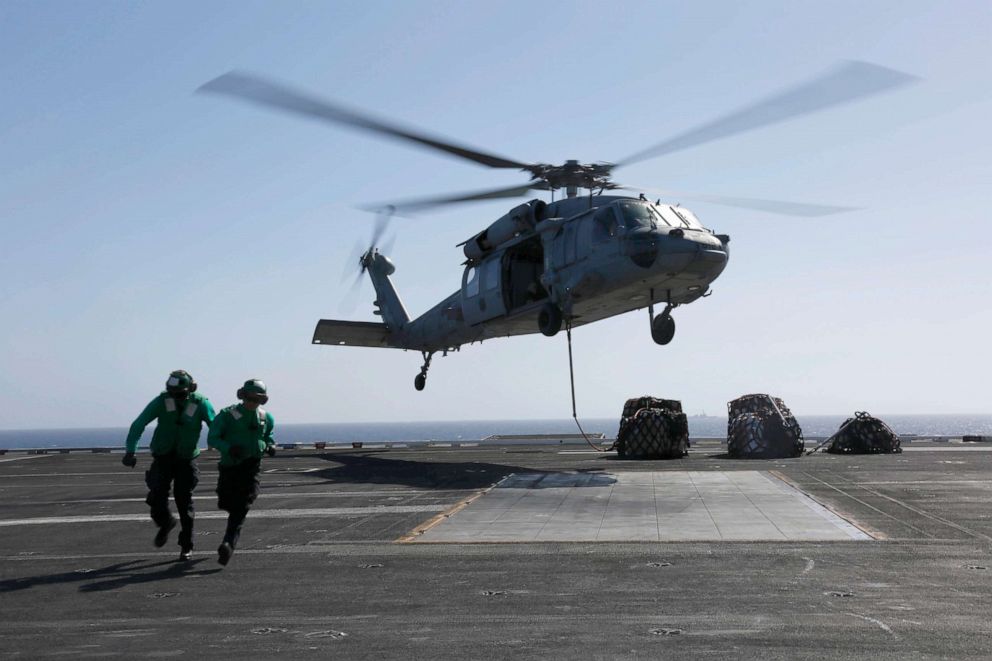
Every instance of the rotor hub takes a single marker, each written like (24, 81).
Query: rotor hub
(573, 174)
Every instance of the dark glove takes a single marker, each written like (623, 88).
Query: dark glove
(270, 450)
(234, 451)
(129, 460)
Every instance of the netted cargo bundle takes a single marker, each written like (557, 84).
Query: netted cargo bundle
(748, 404)
(635, 404)
(762, 427)
(864, 434)
(789, 420)
(653, 433)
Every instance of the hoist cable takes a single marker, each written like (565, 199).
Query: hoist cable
(571, 377)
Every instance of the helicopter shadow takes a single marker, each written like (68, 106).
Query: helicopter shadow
(112, 577)
(370, 467)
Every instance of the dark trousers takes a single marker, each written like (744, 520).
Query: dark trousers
(237, 489)
(171, 470)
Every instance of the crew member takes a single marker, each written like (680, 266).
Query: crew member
(180, 412)
(242, 433)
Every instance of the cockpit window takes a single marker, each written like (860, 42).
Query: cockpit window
(472, 281)
(604, 225)
(679, 217)
(662, 221)
(637, 214)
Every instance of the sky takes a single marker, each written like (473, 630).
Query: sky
(147, 228)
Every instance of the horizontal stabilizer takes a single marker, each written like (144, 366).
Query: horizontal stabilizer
(351, 333)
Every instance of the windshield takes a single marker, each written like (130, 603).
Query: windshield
(679, 217)
(637, 214)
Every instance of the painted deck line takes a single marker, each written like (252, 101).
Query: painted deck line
(270, 494)
(447, 513)
(255, 514)
(853, 531)
(946, 448)
(27, 456)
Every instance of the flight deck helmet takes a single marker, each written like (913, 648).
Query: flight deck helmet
(180, 383)
(254, 390)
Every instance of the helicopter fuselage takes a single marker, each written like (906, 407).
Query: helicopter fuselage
(588, 258)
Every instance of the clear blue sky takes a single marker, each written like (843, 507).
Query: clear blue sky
(146, 228)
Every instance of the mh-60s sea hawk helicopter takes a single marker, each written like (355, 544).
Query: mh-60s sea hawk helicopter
(573, 261)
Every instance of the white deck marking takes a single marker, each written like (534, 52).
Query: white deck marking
(945, 448)
(27, 456)
(394, 495)
(658, 506)
(255, 514)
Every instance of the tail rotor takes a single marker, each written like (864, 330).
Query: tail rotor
(364, 255)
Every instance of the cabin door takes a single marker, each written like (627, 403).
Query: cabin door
(482, 291)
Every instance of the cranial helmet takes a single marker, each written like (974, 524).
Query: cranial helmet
(253, 389)
(180, 383)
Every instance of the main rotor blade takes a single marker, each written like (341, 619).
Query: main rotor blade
(427, 203)
(771, 206)
(850, 81)
(275, 95)
(381, 223)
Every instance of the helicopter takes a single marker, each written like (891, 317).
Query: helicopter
(571, 261)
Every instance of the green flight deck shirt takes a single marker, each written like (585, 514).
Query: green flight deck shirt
(179, 424)
(249, 430)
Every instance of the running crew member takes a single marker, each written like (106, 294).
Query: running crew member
(180, 412)
(242, 433)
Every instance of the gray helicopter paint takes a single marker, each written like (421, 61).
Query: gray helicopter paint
(588, 271)
(387, 302)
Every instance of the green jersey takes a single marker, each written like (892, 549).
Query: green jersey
(250, 431)
(179, 424)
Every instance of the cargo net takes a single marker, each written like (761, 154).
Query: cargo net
(864, 434)
(762, 427)
(652, 428)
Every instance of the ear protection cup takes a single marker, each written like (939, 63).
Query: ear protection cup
(184, 382)
(253, 388)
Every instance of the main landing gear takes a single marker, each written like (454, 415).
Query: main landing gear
(662, 326)
(549, 320)
(421, 379)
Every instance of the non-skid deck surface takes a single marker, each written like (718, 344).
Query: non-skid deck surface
(645, 506)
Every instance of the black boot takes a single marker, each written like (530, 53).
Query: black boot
(185, 542)
(162, 536)
(224, 553)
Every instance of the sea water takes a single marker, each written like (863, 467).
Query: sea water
(813, 426)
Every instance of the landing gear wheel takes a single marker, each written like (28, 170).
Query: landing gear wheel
(421, 379)
(662, 329)
(549, 320)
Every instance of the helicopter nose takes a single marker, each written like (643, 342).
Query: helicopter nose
(711, 257)
(660, 249)
(697, 254)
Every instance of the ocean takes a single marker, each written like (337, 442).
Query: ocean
(814, 426)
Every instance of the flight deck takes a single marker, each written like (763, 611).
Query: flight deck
(482, 550)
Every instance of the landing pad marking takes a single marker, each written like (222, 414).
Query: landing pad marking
(660, 506)
(255, 514)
